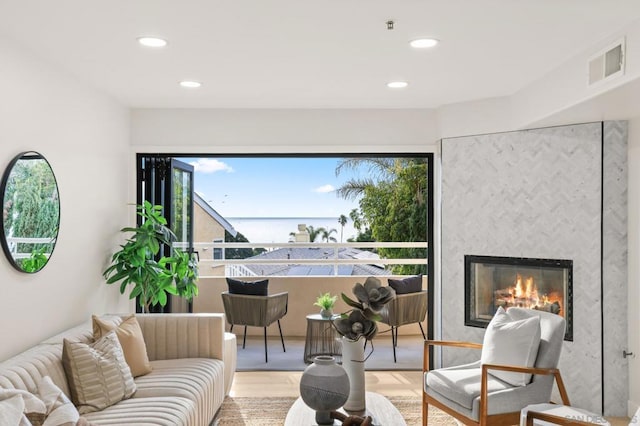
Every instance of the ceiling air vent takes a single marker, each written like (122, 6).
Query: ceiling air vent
(607, 64)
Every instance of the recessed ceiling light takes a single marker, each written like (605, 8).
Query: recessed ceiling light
(397, 84)
(152, 41)
(190, 84)
(423, 43)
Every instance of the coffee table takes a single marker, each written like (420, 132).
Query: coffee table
(379, 407)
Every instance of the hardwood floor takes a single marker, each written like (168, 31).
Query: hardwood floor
(286, 383)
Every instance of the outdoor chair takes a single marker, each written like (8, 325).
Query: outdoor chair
(495, 389)
(404, 309)
(255, 311)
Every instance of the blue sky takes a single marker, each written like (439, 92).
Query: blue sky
(271, 187)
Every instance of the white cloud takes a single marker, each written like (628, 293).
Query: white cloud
(325, 188)
(211, 165)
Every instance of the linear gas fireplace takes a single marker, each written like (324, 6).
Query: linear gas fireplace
(543, 284)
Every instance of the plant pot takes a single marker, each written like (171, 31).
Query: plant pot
(326, 313)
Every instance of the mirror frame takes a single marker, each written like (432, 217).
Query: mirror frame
(3, 187)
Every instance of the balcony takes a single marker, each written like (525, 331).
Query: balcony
(302, 289)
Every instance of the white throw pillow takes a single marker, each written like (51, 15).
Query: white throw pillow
(511, 342)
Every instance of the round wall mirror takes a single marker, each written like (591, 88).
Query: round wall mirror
(30, 212)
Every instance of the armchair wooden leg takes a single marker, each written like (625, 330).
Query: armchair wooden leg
(231, 329)
(281, 338)
(244, 337)
(421, 329)
(425, 411)
(266, 359)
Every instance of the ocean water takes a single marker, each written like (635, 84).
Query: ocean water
(277, 229)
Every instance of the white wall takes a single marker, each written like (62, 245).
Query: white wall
(634, 266)
(283, 130)
(84, 135)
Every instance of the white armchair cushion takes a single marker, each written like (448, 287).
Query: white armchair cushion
(511, 342)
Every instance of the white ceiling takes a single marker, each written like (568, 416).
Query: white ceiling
(310, 54)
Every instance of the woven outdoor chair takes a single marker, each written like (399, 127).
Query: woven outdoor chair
(255, 311)
(404, 309)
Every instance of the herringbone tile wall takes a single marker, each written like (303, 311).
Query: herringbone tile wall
(614, 261)
(533, 193)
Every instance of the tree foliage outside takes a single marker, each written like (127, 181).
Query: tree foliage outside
(342, 220)
(239, 253)
(320, 233)
(393, 205)
(31, 207)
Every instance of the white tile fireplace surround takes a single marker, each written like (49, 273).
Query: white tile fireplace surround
(552, 193)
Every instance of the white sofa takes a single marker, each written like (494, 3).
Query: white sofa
(193, 362)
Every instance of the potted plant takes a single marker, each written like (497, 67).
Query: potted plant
(326, 302)
(137, 262)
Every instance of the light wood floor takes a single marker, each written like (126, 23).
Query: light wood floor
(388, 383)
(286, 383)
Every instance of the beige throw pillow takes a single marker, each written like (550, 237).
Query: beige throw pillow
(130, 336)
(97, 373)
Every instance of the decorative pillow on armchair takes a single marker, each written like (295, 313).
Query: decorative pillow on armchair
(130, 337)
(407, 285)
(97, 373)
(252, 288)
(511, 342)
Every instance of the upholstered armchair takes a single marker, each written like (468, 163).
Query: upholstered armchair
(518, 365)
(404, 309)
(255, 311)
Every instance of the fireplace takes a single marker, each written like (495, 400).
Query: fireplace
(543, 284)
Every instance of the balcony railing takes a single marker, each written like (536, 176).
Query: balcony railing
(213, 268)
(12, 243)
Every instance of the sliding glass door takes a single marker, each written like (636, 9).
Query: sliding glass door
(165, 181)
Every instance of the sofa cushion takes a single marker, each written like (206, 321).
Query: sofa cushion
(406, 285)
(511, 342)
(252, 288)
(156, 411)
(461, 385)
(130, 338)
(97, 373)
(198, 379)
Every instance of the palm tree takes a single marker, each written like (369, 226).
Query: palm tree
(357, 220)
(314, 233)
(342, 220)
(382, 168)
(326, 234)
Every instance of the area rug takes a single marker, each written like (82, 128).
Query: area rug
(273, 411)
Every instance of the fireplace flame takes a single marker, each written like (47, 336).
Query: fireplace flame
(524, 294)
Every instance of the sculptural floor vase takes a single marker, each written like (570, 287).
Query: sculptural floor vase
(353, 364)
(324, 387)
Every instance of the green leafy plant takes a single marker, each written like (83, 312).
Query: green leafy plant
(138, 262)
(36, 261)
(326, 301)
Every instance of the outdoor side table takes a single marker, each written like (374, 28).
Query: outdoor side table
(322, 339)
